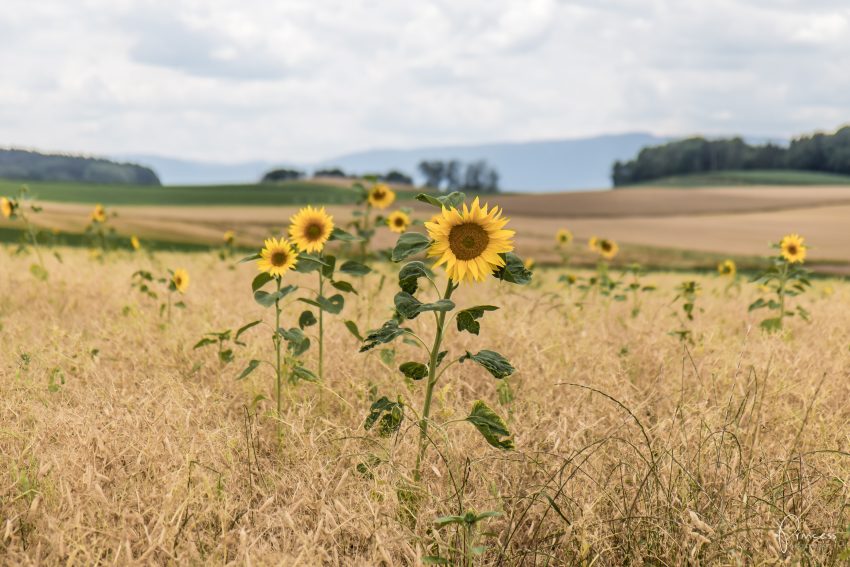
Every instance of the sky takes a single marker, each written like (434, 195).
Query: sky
(300, 81)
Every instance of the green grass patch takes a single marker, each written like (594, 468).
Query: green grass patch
(49, 239)
(748, 177)
(287, 193)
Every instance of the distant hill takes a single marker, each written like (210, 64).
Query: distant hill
(25, 165)
(582, 163)
(772, 177)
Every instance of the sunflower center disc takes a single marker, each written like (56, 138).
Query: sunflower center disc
(278, 258)
(314, 231)
(792, 249)
(399, 222)
(468, 241)
(378, 195)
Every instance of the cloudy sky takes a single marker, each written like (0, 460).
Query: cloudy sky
(293, 80)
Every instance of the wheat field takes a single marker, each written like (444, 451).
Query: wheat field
(122, 445)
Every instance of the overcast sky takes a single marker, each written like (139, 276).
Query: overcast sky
(289, 80)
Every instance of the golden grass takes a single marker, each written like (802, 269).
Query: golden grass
(629, 447)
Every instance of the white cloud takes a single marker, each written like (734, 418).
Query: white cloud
(306, 79)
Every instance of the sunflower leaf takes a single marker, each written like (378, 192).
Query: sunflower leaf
(251, 258)
(252, 365)
(353, 268)
(352, 328)
(339, 234)
(244, 328)
(414, 370)
(467, 319)
(267, 299)
(514, 270)
(492, 361)
(262, 279)
(390, 414)
(409, 307)
(451, 201)
(306, 319)
(309, 263)
(204, 342)
(298, 372)
(408, 244)
(332, 304)
(386, 334)
(328, 268)
(491, 426)
(344, 287)
(408, 277)
(297, 342)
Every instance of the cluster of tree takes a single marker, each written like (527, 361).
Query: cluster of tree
(26, 165)
(282, 174)
(392, 176)
(452, 175)
(816, 152)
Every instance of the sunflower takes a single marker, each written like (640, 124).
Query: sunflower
(593, 243)
(7, 207)
(398, 221)
(564, 237)
(381, 196)
(134, 242)
(229, 237)
(277, 257)
(792, 248)
(180, 280)
(727, 268)
(310, 228)
(469, 242)
(607, 248)
(98, 214)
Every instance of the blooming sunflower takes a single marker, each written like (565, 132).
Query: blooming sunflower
(134, 242)
(6, 207)
(98, 214)
(727, 268)
(469, 242)
(277, 257)
(398, 221)
(229, 236)
(607, 248)
(310, 228)
(792, 248)
(180, 279)
(593, 243)
(564, 237)
(381, 196)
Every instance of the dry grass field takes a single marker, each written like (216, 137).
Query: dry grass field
(122, 445)
(736, 221)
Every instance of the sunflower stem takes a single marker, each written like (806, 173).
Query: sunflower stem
(321, 325)
(429, 389)
(277, 353)
(781, 293)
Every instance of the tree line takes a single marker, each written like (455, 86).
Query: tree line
(445, 175)
(815, 152)
(25, 165)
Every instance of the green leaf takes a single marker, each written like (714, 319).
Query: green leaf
(309, 263)
(414, 370)
(328, 268)
(332, 305)
(386, 334)
(307, 319)
(491, 426)
(757, 304)
(252, 365)
(339, 234)
(514, 270)
(408, 277)
(495, 363)
(38, 272)
(444, 521)
(467, 320)
(409, 307)
(352, 328)
(251, 258)
(435, 560)
(244, 328)
(353, 268)
(772, 324)
(204, 342)
(389, 413)
(267, 299)
(297, 341)
(226, 356)
(262, 279)
(387, 356)
(408, 244)
(451, 201)
(344, 287)
(300, 373)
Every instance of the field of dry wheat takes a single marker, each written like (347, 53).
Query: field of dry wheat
(121, 444)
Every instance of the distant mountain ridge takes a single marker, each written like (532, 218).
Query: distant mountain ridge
(29, 165)
(556, 165)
